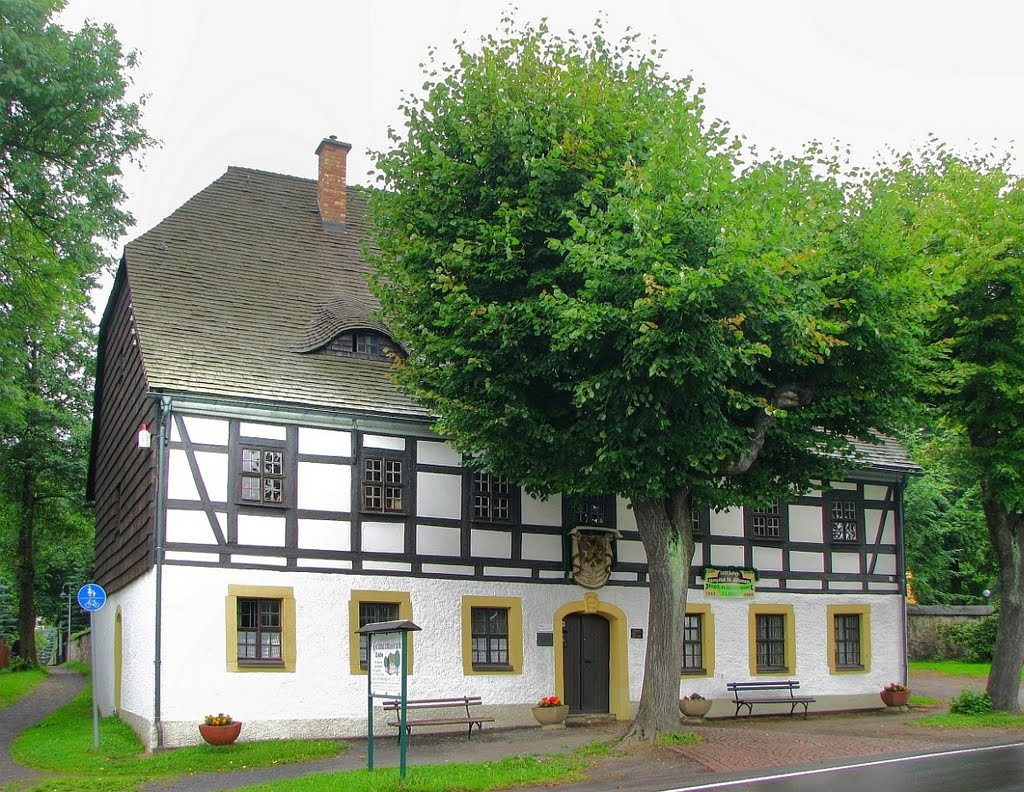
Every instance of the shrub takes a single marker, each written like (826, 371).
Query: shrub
(977, 639)
(971, 702)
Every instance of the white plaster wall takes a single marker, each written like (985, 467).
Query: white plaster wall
(437, 540)
(325, 442)
(439, 495)
(325, 487)
(207, 431)
(431, 453)
(811, 615)
(262, 431)
(875, 492)
(254, 529)
(727, 523)
(768, 559)
(136, 601)
(383, 537)
(805, 524)
(727, 555)
(186, 525)
(542, 512)
(490, 544)
(625, 519)
(180, 483)
(213, 467)
(542, 547)
(871, 519)
(383, 441)
(325, 534)
(323, 698)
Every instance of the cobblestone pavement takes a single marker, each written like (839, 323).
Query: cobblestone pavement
(57, 689)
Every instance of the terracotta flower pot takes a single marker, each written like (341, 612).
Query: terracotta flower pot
(895, 698)
(694, 708)
(220, 735)
(550, 716)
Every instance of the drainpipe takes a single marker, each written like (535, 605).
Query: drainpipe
(902, 561)
(161, 476)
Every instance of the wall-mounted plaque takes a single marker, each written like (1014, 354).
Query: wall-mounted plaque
(729, 582)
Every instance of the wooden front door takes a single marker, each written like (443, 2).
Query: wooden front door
(585, 663)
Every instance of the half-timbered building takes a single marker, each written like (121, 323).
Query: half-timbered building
(290, 494)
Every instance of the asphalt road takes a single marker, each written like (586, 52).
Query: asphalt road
(990, 769)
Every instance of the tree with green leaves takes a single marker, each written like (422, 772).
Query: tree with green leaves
(67, 128)
(968, 223)
(598, 297)
(947, 544)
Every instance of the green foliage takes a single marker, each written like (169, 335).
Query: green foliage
(678, 738)
(68, 127)
(953, 668)
(970, 702)
(596, 302)
(948, 548)
(62, 743)
(8, 610)
(13, 685)
(600, 296)
(514, 771)
(993, 720)
(977, 639)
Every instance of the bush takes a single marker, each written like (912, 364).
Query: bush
(977, 639)
(970, 702)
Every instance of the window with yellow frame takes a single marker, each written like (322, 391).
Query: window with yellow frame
(260, 628)
(373, 604)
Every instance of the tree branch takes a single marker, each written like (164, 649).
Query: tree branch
(784, 397)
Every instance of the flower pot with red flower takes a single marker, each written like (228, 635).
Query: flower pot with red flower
(895, 695)
(550, 711)
(220, 729)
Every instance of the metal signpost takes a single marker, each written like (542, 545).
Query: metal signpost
(387, 666)
(92, 597)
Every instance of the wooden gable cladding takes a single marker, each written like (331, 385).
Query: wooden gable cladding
(122, 475)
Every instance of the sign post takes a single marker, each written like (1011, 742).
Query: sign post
(387, 669)
(92, 597)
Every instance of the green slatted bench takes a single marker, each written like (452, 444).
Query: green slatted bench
(740, 691)
(469, 719)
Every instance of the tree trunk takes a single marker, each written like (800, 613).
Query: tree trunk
(25, 571)
(1005, 529)
(664, 526)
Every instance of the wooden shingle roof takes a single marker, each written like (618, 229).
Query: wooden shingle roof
(234, 289)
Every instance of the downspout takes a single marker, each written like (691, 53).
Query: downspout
(161, 475)
(902, 560)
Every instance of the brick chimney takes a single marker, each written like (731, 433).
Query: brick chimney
(330, 185)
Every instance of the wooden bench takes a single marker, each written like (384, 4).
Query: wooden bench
(740, 690)
(469, 719)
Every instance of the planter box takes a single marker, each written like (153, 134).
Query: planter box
(895, 698)
(694, 708)
(551, 716)
(220, 735)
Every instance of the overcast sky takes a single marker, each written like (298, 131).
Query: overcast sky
(258, 84)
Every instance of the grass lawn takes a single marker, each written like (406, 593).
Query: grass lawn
(990, 720)
(515, 771)
(62, 744)
(954, 668)
(15, 684)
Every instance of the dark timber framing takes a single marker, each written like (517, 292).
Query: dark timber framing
(410, 562)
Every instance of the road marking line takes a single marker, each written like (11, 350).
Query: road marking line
(822, 770)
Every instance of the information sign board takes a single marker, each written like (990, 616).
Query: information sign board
(386, 664)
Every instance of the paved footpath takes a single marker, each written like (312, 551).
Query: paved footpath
(57, 689)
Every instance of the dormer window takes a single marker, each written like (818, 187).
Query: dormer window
(366, 344)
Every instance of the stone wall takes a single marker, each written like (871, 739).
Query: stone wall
(924, 626)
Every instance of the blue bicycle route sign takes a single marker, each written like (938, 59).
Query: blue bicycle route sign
(91, 597)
